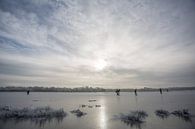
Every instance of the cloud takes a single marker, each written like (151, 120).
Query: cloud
(101, 43)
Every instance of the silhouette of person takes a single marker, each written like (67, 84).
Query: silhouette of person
(27, 92)
(135, 92)
(160, 91)
(117, 92)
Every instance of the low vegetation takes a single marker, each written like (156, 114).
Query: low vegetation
(7, 112)
(134, 118)
(78, 113)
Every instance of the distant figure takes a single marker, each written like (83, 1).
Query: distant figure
(28, 91)
(167, 90)
(135, 92)
(117, 92)
(160, 91)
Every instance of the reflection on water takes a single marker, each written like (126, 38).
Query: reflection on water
(162, 100)
(41, 122)
(136, 102)
(103, 115)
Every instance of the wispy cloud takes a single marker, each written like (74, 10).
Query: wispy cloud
(127, 43)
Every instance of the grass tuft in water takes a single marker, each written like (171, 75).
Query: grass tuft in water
(78, 113)
(162, 113)
(183, 114)
(134, 118)
(7, 112)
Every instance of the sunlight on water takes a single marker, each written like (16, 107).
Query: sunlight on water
(102, 115)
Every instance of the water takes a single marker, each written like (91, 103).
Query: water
(101, 117)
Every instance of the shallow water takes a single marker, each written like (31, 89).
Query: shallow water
(101, 117)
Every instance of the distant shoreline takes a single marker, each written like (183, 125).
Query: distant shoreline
(89, 89)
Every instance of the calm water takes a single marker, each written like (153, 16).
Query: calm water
(101, 117)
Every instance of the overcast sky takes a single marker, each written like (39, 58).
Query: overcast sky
(100, 43)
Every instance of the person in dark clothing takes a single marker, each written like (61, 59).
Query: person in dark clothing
(28, 91)
(117, 92)
(160, 91)
(135, 92)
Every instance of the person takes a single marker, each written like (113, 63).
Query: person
(160, 91)
(28, 91)
(117, 92)
(135, 92)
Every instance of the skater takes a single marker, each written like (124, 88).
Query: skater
(117, 92)
(28, 91)
(160, 91)
(135, 92)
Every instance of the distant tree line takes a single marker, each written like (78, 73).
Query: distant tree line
(52, 89)
(84, 89)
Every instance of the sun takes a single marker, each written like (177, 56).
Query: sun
(100, 64)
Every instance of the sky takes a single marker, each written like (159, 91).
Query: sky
(98, 43)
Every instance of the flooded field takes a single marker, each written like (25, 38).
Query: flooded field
(147, 110)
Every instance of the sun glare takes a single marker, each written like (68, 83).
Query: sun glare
(102, 115)
(100, 64)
